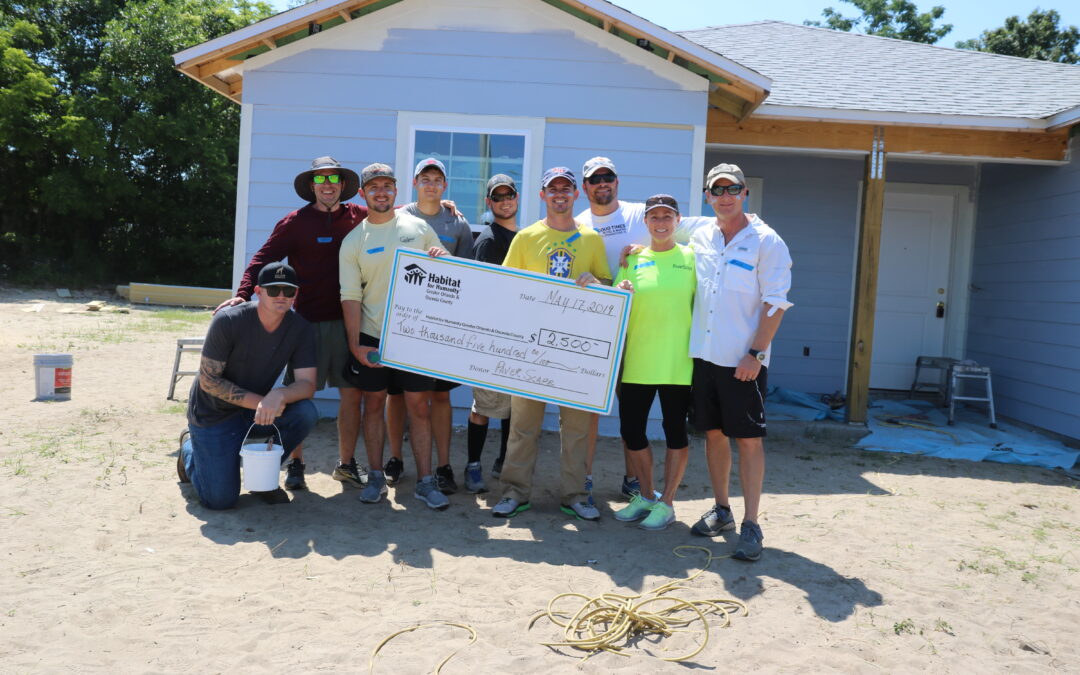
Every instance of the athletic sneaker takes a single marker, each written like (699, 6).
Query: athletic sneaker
(714, 521)
(638, 508)
(496, 469)
(581, 511)
(508, 507)
(294, 475)
(444, 478)
(375, 489)
(749, 546)
(660, 516)
(630, 486)
(588, 491)
(349, 474)
(474, 478)
(427, 492)
(393, 469)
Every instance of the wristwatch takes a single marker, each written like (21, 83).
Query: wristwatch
(760, 356)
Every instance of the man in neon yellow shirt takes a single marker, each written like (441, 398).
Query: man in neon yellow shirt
(365, 261)
(559, 246)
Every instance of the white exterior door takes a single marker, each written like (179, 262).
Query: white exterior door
(913, 278)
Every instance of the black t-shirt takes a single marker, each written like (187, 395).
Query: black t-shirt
(492, 244)
(253, 358)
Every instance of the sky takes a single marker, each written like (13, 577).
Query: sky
(969, 17)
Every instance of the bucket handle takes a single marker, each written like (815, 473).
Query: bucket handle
(269, 442)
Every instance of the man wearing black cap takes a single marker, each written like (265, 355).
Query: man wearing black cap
(558, 246)
(491, 247)
(310, 237)
(246, 348)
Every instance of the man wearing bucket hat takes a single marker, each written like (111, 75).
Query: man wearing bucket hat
(366, 265)
(559, 246)
(246, 348)
(743, 277)
(430, 183)
(310, 238)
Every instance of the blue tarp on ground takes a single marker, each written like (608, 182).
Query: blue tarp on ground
(921, 428)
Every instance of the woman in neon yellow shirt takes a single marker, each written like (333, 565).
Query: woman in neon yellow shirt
(656, 360)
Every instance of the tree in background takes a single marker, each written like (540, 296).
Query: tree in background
(888, 18)
(116, 166)
(1037, 38)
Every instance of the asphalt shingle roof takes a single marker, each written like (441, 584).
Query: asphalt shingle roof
(824, 68)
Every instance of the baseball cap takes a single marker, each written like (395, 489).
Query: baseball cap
(595, 164)
(498, 180)
(558, 172)
(278, 274)
(425, 163)
(657, 201)
(373, 171)
(730, 171)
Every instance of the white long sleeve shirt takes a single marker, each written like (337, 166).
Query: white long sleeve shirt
(734, 280)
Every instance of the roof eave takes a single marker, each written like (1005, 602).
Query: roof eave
(1065, 118)
(906, 118)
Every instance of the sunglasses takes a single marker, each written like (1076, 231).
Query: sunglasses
(498, 199)
(718, 190)
(274, 291)
(319, 180)
(598, 178)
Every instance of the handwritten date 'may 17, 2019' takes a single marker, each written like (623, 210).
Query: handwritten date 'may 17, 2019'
(555, 297)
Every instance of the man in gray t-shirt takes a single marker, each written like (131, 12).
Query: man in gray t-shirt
(455, 235)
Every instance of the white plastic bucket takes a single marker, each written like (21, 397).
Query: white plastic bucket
(52, 376)
(262, 463)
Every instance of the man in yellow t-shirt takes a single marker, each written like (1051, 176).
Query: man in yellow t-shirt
(365, 263)
(559, 246)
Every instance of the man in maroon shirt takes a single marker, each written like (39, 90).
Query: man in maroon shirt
(310, 238)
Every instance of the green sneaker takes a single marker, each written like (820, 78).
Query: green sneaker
(660, 516)
(637, 509)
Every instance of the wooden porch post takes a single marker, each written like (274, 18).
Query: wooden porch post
(866, 278)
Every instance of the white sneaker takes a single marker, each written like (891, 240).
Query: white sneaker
(581, 510)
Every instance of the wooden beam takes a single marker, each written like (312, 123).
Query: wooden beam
(345, 15)
(1039, 145)
(269, 43)
(731, 105)
(866, 277)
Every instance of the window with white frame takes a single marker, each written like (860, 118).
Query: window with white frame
(473, 148)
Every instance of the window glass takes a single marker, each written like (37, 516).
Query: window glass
(471, 159)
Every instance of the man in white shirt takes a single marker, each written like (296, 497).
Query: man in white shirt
(621, 224)
(743, 277)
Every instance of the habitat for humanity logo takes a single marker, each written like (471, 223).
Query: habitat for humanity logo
(414, 274)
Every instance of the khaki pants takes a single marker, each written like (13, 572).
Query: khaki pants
(526, 417)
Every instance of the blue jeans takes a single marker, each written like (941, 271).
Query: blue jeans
(213, 465)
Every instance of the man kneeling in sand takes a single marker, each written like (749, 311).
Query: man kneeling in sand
(246, 348)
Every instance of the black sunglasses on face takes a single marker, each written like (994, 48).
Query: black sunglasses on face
(718, 190)
(274, 291)
(333, 178)
(496, 199)
(598, 178)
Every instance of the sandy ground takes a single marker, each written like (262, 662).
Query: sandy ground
(874, 562)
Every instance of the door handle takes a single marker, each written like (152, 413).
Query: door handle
(940, 311)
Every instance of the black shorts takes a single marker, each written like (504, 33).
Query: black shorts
(635, 400)
(385, 378)
(440, 385)
(721, 402)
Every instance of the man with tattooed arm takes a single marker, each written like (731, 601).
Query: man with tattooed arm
(246, 349)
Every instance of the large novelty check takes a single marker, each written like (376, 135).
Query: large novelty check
(488, 326)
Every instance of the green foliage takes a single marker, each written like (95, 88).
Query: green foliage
(116, 167)
(1039, 37)
(899, 19)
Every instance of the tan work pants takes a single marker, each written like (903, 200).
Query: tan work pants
(526, 417)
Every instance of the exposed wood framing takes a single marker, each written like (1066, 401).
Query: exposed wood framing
(866, 277)
(269, 43)
(345, 15)
(1037, 145)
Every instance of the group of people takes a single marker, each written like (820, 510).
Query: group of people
(708, 298)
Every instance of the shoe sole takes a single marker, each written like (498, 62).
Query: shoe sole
(739, 555)
(440, 507)
(349, 480)
(301, 486)
(571, 512)
(376, 500)
(636, 518)
(714, 533)
(656, 529)
(520, 508)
